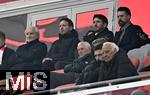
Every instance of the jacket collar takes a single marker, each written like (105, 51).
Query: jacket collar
(71, 34)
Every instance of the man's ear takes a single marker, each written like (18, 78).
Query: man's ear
(105, 25)
(115, 51)
(129, 17)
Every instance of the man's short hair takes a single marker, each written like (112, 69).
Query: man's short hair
(85, 43)
(101, 17)
(2, 35)
(125, 9)
(98, 43)
(113, 45)
(70, 23)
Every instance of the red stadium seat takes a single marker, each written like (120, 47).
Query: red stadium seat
(61, 71)
(147, 60)
(135, 61)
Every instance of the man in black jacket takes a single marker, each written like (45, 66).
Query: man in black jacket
(100, 30)
(111, 63)
(85, 57)
(6, 54)
(62, 50)
(73, 69)
(30, 55)
(130, 36)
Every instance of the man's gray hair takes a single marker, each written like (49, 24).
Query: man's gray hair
(85, 43)
(114, 46)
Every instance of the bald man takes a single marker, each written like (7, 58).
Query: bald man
(29, 56)
(111, 63)
(84, 58)
(73, 69)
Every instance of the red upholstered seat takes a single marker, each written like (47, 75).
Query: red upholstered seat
(135, 61)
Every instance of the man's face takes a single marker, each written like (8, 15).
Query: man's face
(98, 55)
(64, 27)
(98, 24)
(108, 53)
(30, 34)
(123, 18)
(83, 50)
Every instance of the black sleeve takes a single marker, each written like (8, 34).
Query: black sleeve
(126, 68)
(88, 75)
(37, 52)
(68, 68)
(89, 37)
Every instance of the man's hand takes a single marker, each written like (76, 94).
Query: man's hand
(47, 59)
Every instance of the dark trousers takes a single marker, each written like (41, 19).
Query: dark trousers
(57, 79)
(52, 65)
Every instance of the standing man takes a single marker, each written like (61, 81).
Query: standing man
(100, 23)
(62, 50)
(130, 36)
(30, 55)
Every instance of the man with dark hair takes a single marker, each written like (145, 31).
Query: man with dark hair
(129, 36)
(6, 54)
(100, 29)
(62, 50)
(70, 23)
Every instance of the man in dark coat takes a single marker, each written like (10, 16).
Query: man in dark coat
(130, 36)
(111, 63)
(63, 50)
(73, 69)
(85, 57)
(100, 29)
(30, 55)
(6, 54)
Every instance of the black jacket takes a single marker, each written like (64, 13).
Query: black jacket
(105, 33)
(29, 55)
(134, 37)
(64, 49)
(32, 52)
(7, 59)
(79, 64)
(119, 67)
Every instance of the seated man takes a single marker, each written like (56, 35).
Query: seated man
(62, 50)
(74, 69)
(100, 30)
(30, 55)
(85, 57)
(6, 54)
(111, 63)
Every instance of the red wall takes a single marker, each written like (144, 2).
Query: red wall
(4, 1)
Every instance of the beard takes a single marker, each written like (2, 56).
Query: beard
(98, 61)
(121, 23)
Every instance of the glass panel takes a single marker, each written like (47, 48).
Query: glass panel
(14, 28)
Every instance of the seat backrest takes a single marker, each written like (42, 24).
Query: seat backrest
(135, 61)
(146, 61)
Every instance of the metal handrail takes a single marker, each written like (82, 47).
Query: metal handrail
(92, 84)
(100, 83)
